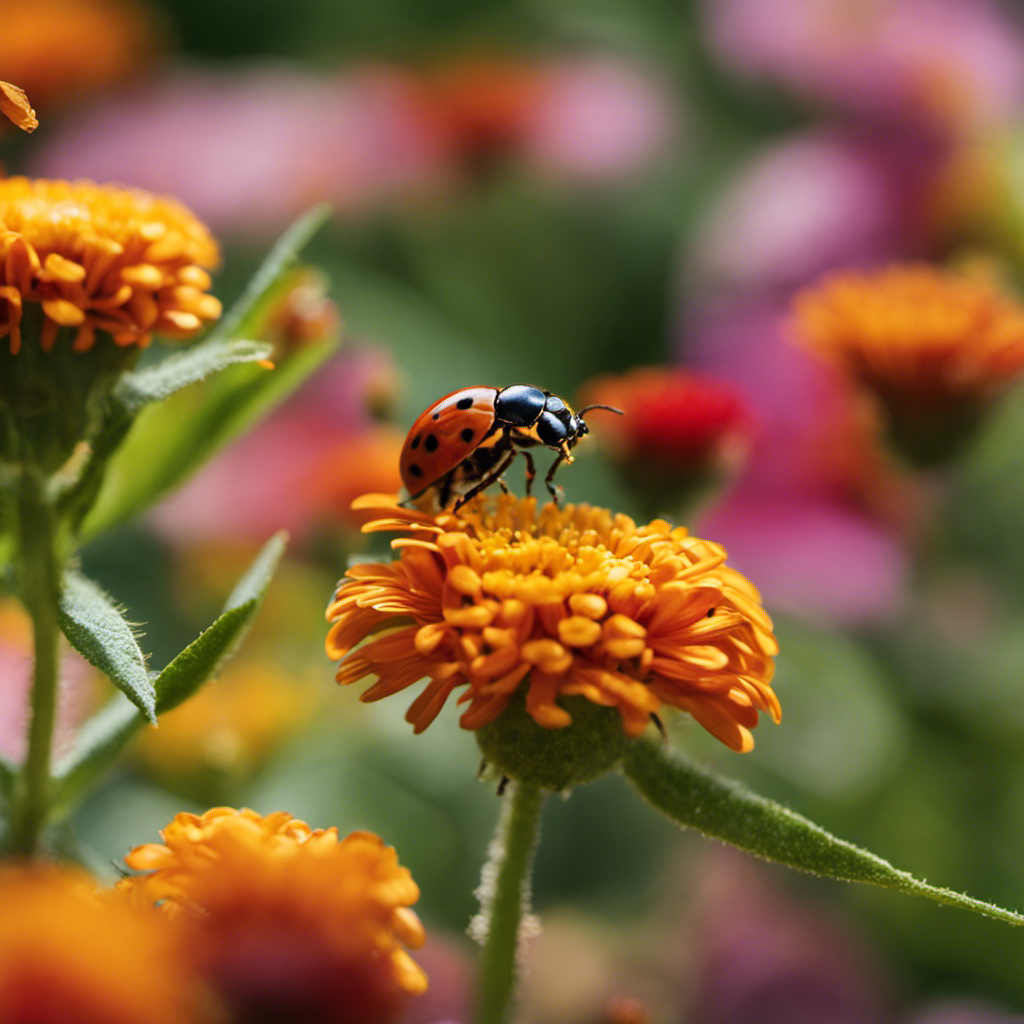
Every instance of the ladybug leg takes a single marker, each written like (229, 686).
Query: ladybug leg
(549, 479)
(531, 471)
(495, 474)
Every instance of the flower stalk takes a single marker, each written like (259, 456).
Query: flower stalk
(505, 898)
(39, 583)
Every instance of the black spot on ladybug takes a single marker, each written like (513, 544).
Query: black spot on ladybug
(414, 470)
(431, 443)
(436, 416)
(467, 434)
(711, 612)
(415, 442)
(464, 403)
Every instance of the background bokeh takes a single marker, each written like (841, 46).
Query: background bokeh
(545, 192)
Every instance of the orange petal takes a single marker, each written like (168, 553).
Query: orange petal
(14, 103)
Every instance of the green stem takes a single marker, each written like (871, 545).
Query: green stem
(39, 580)
(505, 897)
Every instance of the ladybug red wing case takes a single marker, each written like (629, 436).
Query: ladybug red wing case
(444, 435)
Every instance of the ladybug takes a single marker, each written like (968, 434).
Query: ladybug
(467, 440)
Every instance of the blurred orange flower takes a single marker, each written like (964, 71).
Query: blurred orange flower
(934, 346)
(563, 601)
(14, 104)
(918, 332)
(64, 49)
(485, 106)
(301, 314)
(101, 258)
(284, 919)
(367, 461)
(69, 951)
(230, 727)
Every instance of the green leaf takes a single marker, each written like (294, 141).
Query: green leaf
(160, 381)
(205, 656)
(172, 439)
(101, 740)
(98, 630)
(8, 519)
(98, 744)
(181, 427)
(136, 390)
(725, 810)
(247, 309)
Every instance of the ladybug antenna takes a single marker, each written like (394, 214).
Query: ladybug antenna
(609, 408)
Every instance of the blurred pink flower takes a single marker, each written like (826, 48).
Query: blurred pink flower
(803, 205)
(449, 966)
(822, 199)
(250, 148)
(600, 119)
(812, 558)
(965, 1011)
(591, 118)
(270, 479)
(762, 958)
(78, 687)
(816, 516)
(952, 64)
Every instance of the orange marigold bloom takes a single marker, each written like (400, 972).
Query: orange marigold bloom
(70, 952)
(14, 104)
(566, 601)
(916, 334)
(284, 921)
(101, 258)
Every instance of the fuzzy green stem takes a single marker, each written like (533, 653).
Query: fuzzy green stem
(39, 581)
(505, 897)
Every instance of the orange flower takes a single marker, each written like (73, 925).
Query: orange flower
(66, 49)
(280, 918)
(935, 347)
(101, 258)
(920, 334)
(69, 952)
(15, 105)
(564, 601)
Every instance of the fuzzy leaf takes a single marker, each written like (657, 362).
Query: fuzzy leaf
(178, 427)
(97, 745)
(239, 318)
(725, 810)
(101, 740)
(205, 656)
(172, 439)
(177, 371)
(97, 629)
